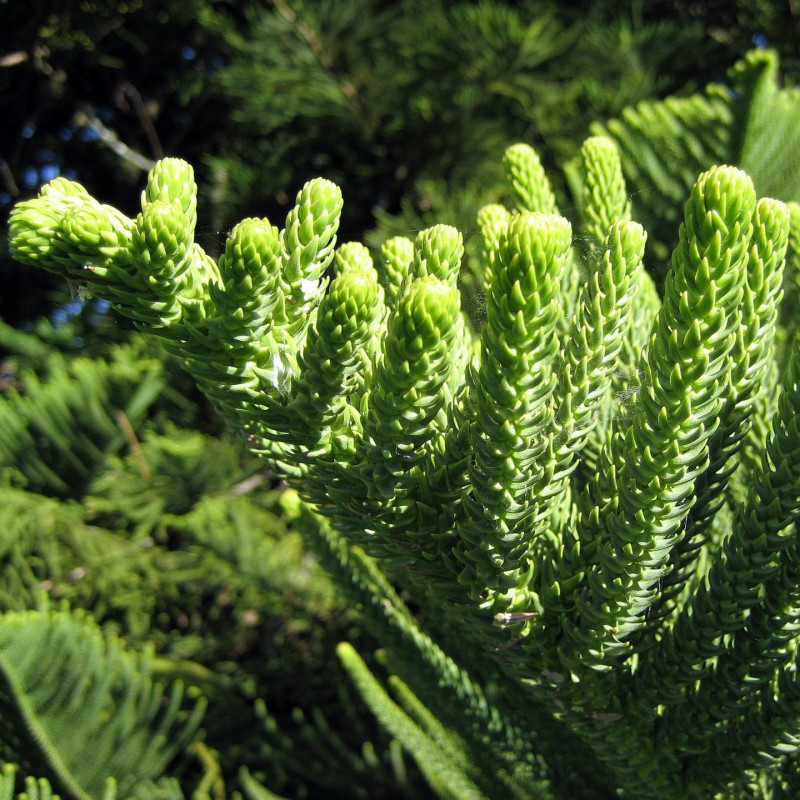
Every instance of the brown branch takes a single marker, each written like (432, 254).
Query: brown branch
(133, 443)
(7, 176)
(127, 89)
(111, 140)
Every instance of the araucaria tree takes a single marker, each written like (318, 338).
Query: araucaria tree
(591, 494)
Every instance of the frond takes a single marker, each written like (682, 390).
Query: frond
(557, 494)
(168, 472)
(252, 541)
(751, 123)
(254, 790)
(445, 771)
(47, 548)
(57, 667)
(56, 430)
(16, 786)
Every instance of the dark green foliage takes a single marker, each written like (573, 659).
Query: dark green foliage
(635, 596)
(55, 434)
(438, 752)
(556, 575)
(11, 785)
(262, 97)
(402, 121)
(174, 544)
(90, 709)
(749, 121)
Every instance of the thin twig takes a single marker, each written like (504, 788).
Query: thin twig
(135, 446)
(127, 89)
(109, 138)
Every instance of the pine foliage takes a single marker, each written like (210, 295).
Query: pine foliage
(68, 419)
(35, 788)
(749, 121)
(591, 500)
(174, 544)
(444, 765)
(87, 709)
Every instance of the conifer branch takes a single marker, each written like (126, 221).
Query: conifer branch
(664, 450)
(593, 500)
